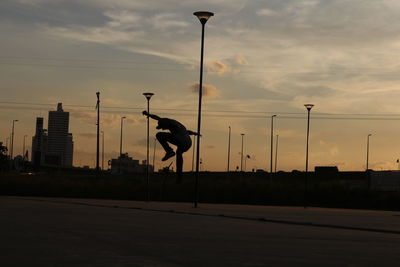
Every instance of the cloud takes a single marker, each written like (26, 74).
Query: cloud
(241, 60)
(218, 67)
(106, 119)
(167, 20)
(87, 135)
(208, 90)
(265, 12)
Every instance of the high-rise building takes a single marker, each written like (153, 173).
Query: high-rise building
(39, 144)
(60, 144)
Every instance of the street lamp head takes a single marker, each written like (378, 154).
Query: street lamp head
(98, 94)
(15, 120)
(309, 106)
(123, 117)
(369, 134)
(273, 116)
(203, 16)
(148, 95)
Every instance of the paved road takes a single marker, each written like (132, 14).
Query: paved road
(78, 232)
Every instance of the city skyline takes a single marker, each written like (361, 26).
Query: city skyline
(261, 58)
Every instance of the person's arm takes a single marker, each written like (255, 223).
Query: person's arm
(154, 117)
(191, 132)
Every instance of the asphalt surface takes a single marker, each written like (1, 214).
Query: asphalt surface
(87, 232)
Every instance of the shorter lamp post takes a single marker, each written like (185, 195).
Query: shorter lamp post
(120, 143)
(229, 148)
(241, 155)
(102, 150)
(276, 152)
(308, 107)
(272, 141)
(148, 97)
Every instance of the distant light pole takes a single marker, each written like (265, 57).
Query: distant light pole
(120, 143)
(120, 140)
(229, 148)
(276, 151)
(23, 147)
(272, 141)
(368, 136)
(148, 97)
(194, 143)
(12, 139)
(102, 150)
(203, 16)
(241, 155)
(308, 107)
(98, 132)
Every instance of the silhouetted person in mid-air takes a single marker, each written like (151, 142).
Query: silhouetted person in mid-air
(177, 136)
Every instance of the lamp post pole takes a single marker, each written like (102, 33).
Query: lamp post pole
(241, 155)
(154, 154)
(229, 148)
(12, 139)
(276, 152)
(102, 150)
(120, 140)
(23, 147)
(148, 97)
(308, 107)
(120, 143)
(98, 132)
(368, 136)
(272, 142)
(203, 16)
(194, 150)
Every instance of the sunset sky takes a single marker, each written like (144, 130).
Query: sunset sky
(261, 58)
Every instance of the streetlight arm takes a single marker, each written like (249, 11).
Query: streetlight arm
(154, 117)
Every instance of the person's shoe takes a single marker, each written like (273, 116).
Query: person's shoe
(168, 155)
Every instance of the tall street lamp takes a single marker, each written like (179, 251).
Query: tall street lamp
(229, 148)
(308, 107)
(272, 141)
(241, 155)
(203, 16)
(368, 136)
(12, 139)
(148, 97)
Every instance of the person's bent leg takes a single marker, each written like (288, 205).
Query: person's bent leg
(163, 138)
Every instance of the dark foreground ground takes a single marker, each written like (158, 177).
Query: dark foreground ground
(88, 232)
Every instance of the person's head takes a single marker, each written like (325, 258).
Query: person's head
(162, 124)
